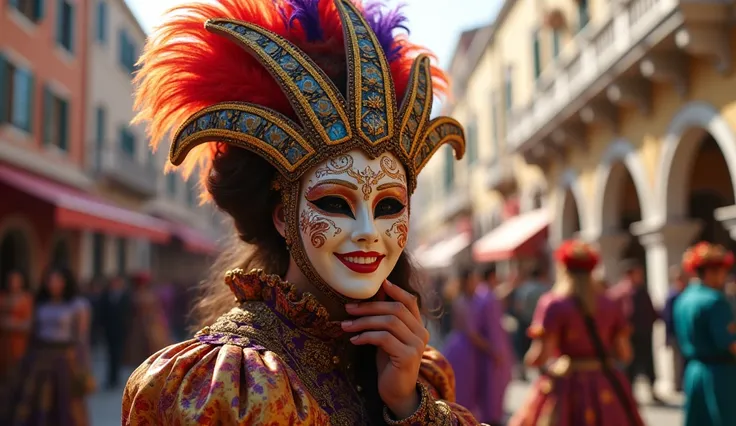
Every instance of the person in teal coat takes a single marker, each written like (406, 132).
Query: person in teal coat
(706, 332)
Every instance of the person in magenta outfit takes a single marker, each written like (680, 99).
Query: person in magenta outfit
(578, 334)
(495, 372)
(478, 349)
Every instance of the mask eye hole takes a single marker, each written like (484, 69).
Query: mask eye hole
(388, 207)
(333, 205)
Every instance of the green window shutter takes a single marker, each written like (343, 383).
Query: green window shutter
(14, 3)
(72, 17)
(31, 96)
(64, 125)
(38, 9)
(556, 43)
(48, 110)
(60, 22)
(4, 92)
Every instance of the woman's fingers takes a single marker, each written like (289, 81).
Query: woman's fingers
(396, 309)
(388, 323)
(400, 295)
(386, 341)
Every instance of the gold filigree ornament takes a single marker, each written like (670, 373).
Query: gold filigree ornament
(329, 124)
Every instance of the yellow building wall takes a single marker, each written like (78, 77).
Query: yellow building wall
(647, 132)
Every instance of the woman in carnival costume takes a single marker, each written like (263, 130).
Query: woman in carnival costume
(309, 122)
(578, 335)
(52, 381)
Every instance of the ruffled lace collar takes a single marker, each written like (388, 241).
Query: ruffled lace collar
(300, 308)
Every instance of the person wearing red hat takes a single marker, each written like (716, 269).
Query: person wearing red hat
(578, 334)
(706, 332)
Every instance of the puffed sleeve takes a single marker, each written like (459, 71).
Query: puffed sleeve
(194, 383)
(722, 325)
(547, 317)
(437, 389)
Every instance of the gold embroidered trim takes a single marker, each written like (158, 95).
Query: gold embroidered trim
(293, 91)
(252, 142)
(429, 413)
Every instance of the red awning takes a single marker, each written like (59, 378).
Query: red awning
(519, 236)
(75, 209)
(194, 240)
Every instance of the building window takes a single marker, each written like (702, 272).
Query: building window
(127, 52)
(171, 179)
(583, 14)
(98, 254)
(31, 9)
(16, 95)
(127, 142)
(102, 22)
(449, 181)
(56, 120)
(100, 132)
(122, 256)
(508, 88)
(471, 133)
(537, 52)
(555, 43)
(65, 24)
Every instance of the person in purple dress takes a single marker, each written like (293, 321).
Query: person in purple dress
(578, 335)
(472, 349)
(495, 370)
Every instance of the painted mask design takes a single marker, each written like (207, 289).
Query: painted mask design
(354, 220)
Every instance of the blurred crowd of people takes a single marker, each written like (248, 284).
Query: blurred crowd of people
(494, 317)
(47, 339)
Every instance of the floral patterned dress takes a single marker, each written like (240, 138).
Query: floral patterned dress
(576, 391)
(275, 360)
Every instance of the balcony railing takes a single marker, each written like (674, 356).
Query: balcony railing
(584, 61)
(120, 168)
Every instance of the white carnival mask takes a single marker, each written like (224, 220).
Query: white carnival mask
(354, 220)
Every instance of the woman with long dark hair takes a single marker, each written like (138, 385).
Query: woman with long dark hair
(579, 335)
(311, 155)
(54, 377)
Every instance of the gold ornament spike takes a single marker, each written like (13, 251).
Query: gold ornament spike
(440, 131)
(265, 132)
(371, 96)
(315, 99)
(416, 106)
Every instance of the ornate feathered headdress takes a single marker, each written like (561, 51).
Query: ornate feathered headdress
(258, 64)
(263, 75)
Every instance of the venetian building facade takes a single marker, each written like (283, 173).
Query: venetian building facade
(488, 207)
(126, 172)
(626, 108)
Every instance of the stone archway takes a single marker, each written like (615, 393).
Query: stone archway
(622, 197)
(15, 253)
(569, 218)
(685, 135)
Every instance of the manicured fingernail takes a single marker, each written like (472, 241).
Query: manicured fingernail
(354, 338)
(388, 283)
(351, 306)
(347, 323)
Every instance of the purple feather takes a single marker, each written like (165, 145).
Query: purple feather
(307, 13)
(383, 23)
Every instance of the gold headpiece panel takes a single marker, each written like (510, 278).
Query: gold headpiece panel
(328, 124)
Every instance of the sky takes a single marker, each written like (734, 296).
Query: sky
(436, 24)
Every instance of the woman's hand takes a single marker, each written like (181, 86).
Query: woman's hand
(397, 330)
